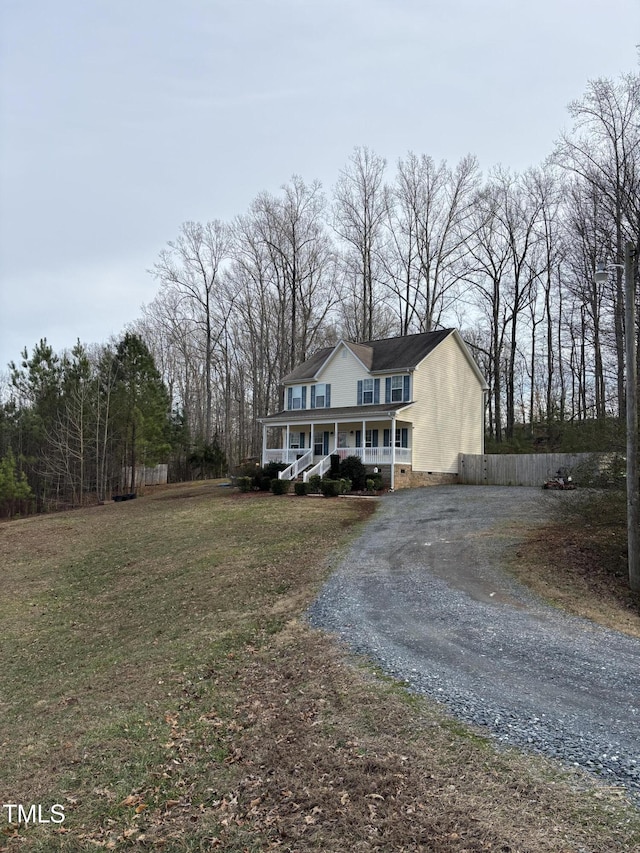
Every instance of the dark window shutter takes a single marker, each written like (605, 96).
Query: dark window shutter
(301, 441)
(387, 389)
(404, 442)
(313, 396)
(289, 398)
(406, 395)
(359, 392)
(327, 395)
(376, 390)
(386, 439)
(358, 438)
(374, 438)
(304, 396)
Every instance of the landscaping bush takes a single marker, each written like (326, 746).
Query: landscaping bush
(370, 484)
(353, 469)
(314, 484)
(334, 470)
(330, 488)
(262, 477)
(271, 469)
(280, 487)
(245, 484)
(605, 472)
(300, 488)
(345, 485)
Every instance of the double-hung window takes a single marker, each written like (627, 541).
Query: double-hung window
(368, 392)
(401, 437)
(297, 397)
(397, 389)
(296, 441)
(321, 395)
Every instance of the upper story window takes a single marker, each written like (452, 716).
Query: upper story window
(397, 389)
(368, 391)
(297, 397)
(321, 395)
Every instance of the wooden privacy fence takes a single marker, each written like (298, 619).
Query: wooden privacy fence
(518, 469)
(155, 476)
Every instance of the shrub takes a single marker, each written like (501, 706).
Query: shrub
(264, 483)
(280, 487)
(271, 469)
(370, 484)
(345, 486)
(300, 488)
(245, 484)
(330, 488)
(377, 481)
(606, 472)
(314, 484)
(353, 469)
(334, 471)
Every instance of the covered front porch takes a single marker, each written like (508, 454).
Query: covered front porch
(306, 447)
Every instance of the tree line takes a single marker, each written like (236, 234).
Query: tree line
(508, 258)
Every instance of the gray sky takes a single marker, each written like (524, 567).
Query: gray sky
(121, 119)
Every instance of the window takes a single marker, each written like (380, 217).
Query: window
(397, 389)
(296, 441)
(371, 438)
(368, 392)
(402, 437)
(297, 397)
(321, 395)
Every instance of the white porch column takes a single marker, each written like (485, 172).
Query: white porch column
(393, 453)
(311, 440)
(363, 441)
(335, 436)
(264, 444)
(286, 453)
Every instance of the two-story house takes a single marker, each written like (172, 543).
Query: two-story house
(406, 406)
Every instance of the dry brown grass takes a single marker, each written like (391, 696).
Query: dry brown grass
(158, 681)
(580, 563)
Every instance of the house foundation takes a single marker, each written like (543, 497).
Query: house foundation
(406, 478)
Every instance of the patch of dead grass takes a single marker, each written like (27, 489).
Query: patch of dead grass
(579, 564)
(164, 690)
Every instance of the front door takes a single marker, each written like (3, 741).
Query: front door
(321, 444)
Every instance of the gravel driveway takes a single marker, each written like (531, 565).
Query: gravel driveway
(421, 593)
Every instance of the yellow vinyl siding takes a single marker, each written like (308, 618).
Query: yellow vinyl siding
(343, 372)
(448, 413)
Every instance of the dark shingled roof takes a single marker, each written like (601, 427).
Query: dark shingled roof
(378, 356)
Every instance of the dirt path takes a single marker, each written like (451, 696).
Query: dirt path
(421, 592)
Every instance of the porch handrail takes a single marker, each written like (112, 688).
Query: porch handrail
(319, 468)
(292, 471)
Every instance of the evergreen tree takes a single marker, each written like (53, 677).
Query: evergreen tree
(141, 406)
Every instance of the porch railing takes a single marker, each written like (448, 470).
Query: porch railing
(319, 469)
(369, 456)
(280, 454)
(294, 469)
(377, 455)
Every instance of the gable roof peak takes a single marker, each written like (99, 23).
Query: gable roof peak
(400, 353)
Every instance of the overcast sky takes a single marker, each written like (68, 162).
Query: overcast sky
(121, 119)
